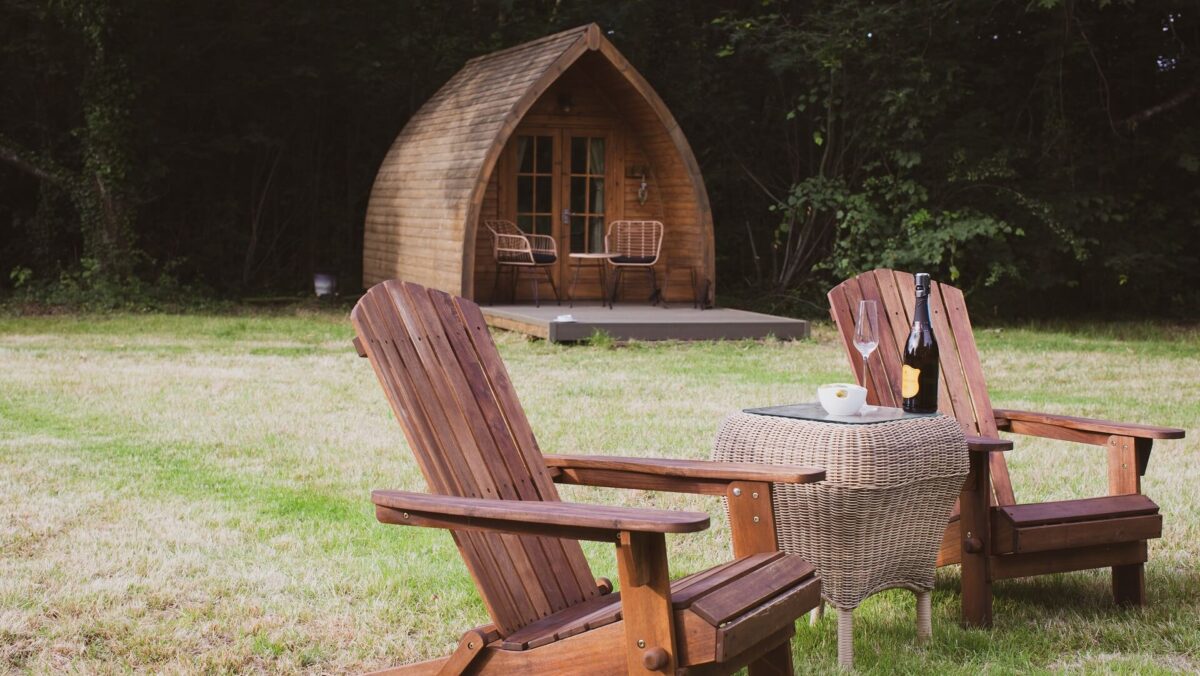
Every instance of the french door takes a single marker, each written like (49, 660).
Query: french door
(560, 187)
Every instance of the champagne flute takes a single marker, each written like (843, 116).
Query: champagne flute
(866, 332)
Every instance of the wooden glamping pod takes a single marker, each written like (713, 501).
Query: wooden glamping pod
(556, 135)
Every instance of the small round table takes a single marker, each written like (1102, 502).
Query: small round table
(876, 522)
(578, 260)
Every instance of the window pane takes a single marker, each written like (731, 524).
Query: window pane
(597, 239)
(596, 156)
(524, 157)
(542, 225)
(524, 222)
(578, 242)
(545, 154)
(596, 203)
(524, 194)
(578, 155)
(543, 196)
(578, 194)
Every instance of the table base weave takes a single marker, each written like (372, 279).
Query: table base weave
(876, 522)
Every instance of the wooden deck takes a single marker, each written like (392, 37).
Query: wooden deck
(641, 322)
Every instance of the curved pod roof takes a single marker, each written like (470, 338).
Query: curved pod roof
(425, 203)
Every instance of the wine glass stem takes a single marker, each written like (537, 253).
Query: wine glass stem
(864, 375)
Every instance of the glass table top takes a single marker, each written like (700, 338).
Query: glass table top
(812, 411)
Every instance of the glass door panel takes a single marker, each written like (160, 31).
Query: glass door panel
(586, 197)
(535, 183)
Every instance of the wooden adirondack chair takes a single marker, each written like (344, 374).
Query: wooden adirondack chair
(493, 489)
(994, 537)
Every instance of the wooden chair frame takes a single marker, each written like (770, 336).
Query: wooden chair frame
(993, 537)
(635, 239)
(517, 250)
(492, 487)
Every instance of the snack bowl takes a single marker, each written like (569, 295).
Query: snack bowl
(842, 398)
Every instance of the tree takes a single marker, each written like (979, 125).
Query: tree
(102, 188)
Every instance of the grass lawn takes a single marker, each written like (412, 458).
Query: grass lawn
(191, 493)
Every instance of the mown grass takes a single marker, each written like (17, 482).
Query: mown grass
(189, 493)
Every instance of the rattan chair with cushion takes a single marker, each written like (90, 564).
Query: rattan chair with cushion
(516, 250)
(636, 244)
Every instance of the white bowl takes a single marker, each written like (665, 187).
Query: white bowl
(842, 398)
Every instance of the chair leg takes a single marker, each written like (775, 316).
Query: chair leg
(604, 284)
(815, 615)
(653, 285)
(845, 638)
(924, 616)
(775, 662)
(1129, 585)
(550, 278)
(616, 287)
(575, 265)
(975, 543)
(533, 278)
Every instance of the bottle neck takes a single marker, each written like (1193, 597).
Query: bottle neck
(921, 312)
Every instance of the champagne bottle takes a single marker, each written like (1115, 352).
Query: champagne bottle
(919, 380)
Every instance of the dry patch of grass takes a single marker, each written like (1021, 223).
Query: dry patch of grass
(189, 494)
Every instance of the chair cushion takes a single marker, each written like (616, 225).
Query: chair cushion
(633, 260)
(543, 258)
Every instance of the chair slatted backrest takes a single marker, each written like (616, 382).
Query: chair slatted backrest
(636, 239)
(450, 391)
(506, 247)
(962, 392)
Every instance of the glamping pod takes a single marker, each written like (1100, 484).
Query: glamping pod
(561, 136)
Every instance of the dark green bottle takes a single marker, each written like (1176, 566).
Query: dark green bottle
(919, 380)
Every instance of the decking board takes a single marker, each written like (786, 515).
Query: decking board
(642, 322)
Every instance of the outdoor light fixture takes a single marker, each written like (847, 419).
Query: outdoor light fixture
(565, 103)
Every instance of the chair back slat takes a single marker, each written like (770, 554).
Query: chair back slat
(448, 388)
(964, 336)
(892, 335)
(962, 391)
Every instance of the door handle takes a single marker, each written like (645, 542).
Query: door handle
(566, 216)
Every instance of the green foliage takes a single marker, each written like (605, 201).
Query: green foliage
(19, 276)
(90, 288)
(965, 139)
(1042, 150)
(601, 339)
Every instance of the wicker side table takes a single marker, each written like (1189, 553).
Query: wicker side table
(876, 522)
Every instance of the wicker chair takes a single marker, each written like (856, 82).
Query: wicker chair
(636, 244)
(517, 250)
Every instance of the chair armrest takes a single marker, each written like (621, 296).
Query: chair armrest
(1005, 418)
(513, 248)
(693, 469)
(987, 444)
(529, 517)
(543, 243)
(679, 476)
(512, 242)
